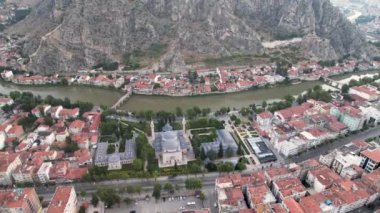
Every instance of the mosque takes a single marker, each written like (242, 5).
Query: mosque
(172, 147)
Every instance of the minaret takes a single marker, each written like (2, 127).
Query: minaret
(152, 129)
(184, 124)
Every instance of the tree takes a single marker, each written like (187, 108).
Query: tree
(240, 166)
(157, 191)
(237, 122)
(169, 188)
(240, 150)
(226, 167)
(211, 154)
(203, 154)
(83, 193)
(138, 165)
(178, 112)
(70, 146)
(345, 88)
(264, 105)
(229, 152)
(48, 121)
(191, 113)
(289, 99)
(194, 168)
(108, 196)
(193, 184)
(94, 200)
(206, 111)
(64, 81)
(211, 167)
(202, 197)
(221, 152)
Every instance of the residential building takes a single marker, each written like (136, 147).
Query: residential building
(25, 173)
(64, 200)
(83, 157)
(258, 195)
(292, 112)
(8, 163)
(230, 200)
(372, 180)
(366, 92)
(16, 131)
(20, 201)
(292, 146)
(292, 206)
(76, 126)
(289, 187)
(350, 116)
(274, 174)
(322, 178)
(43, 172)
(343, 161)
(264, 118)
(352, 172)
(370, 159)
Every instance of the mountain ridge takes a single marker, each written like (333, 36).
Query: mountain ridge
(84, 33)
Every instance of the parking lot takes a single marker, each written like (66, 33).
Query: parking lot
(172, 204)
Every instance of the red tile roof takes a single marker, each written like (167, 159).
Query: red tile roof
(373, 155)
(290, 186)
(293, 206)
(265, 115)
(258, 194)
(60, 199)
(309, 205)
(77, 124)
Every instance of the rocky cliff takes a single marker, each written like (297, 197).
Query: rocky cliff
(64, 35)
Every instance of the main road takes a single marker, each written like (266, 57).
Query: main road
(315, 153)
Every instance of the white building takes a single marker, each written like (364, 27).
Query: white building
(371, 114)
(44, 171)
(7, 75)
(2, 139)
(342, 161)
(264, 119)
(292, 146)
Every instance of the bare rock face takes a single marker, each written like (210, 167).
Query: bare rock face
(66, 35)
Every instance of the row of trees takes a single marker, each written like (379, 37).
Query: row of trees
(190, 113)
(27, 101)
(226, 167)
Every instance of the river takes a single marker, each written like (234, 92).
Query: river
(97, 96)
(141, 102)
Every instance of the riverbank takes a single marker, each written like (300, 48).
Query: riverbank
(101, 96)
